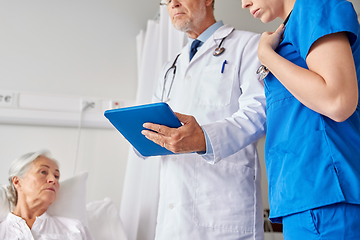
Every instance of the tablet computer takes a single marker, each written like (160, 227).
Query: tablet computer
(129, 122)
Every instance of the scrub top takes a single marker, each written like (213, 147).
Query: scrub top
(311, 160)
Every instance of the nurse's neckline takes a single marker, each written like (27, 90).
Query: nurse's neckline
(287, 18)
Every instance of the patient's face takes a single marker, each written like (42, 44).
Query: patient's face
(41, 182)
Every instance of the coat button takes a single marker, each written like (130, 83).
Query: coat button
(171, 206)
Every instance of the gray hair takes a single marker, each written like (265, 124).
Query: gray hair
(19, 167)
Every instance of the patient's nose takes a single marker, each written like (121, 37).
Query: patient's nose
(52, 179)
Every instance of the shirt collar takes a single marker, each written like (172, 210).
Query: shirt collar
(207, 33)
(15, 218)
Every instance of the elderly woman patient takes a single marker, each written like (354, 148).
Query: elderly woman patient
(34, 185)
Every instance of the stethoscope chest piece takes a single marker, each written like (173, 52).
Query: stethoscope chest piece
(218, 51)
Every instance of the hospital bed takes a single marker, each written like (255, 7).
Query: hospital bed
(101, 217)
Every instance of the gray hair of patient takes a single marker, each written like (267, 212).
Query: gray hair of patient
(18, 168)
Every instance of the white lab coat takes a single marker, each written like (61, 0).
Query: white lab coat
(218, 199)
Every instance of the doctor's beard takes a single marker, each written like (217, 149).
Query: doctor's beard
(193, 21)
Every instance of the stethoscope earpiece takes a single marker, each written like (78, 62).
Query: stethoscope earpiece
(218, 51)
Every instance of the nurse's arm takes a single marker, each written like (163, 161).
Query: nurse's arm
(329, 87)
(185, 139)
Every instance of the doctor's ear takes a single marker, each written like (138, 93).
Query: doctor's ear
(210, 2)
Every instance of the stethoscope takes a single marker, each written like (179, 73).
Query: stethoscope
(217, 52)
(263, 71)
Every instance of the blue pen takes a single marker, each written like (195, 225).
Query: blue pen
(223, 66)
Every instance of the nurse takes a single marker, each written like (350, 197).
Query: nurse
(212, 189)
(313, 114)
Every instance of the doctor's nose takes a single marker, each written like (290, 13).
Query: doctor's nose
(175, 3)
(246, 3)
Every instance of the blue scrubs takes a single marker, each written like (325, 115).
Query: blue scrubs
(338, 221)
(312, 161)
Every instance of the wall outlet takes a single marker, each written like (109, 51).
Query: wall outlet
(111, 104)
(90, 105)
(6, 98)
(116, 104)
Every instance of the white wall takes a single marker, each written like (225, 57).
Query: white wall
(82, 48)
(356, 4)
(76, 48)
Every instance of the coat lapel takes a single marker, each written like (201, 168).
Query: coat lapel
(212, 42)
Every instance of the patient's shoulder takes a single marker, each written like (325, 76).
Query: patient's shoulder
(69, 226)
(4, 219)
(65, 219)
(64, 223)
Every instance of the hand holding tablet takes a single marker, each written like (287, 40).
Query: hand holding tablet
(154, 129)
(129, 122)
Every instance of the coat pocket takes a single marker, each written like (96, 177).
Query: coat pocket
(214, 88)
(224, 197)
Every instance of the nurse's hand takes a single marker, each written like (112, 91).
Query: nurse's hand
(269, 42)
(185, 139)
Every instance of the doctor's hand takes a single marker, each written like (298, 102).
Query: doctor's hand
(185, 139)
(269, 42)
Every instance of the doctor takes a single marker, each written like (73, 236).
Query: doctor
(212, 190)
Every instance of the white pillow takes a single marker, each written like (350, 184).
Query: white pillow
(71, 199)
(104, 221)
(70, 202)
